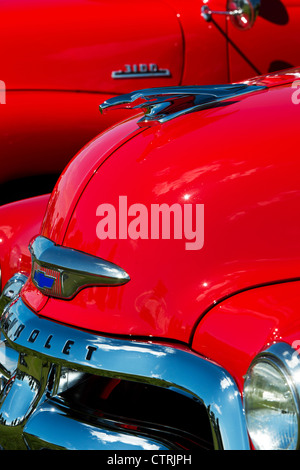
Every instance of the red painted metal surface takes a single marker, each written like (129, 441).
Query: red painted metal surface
(205, 44)
(58, 58)
(234, 331)
(273, 43)
(239, 161)
(42, 131)
(74, 179)
(19, 222)
(57, 62)
(77, 44)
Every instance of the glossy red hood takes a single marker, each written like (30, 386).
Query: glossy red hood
(240, 161)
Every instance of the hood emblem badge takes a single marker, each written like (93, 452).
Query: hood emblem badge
(141, 71)
(165, 103)
(62, 272)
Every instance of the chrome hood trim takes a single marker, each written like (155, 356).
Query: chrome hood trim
(61, 272)
(162, 104)
(170, 367)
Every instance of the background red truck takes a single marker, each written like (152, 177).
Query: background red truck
(137, 342)
(61, 59)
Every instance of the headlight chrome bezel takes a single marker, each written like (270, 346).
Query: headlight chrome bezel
(286, 360)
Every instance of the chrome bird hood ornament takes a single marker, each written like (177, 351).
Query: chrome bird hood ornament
(165, 103)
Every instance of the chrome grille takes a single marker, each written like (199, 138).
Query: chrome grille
(194, 402)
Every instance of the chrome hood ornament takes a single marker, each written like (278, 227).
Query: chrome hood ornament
(62, 272)
(162, 104)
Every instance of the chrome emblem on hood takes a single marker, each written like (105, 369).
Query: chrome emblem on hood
(162, 104)
(61, 272)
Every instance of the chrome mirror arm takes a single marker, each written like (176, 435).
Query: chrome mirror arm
(243, 13)
(207, 13)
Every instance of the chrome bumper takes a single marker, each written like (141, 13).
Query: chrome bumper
(33, 352)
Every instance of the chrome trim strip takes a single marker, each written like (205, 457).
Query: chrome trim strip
(175, 368)
(159, 74)
(165, 103)
(12, 288)
(207, 13)
(8, 359)
(61, 272)
(63, 431)
(141, 71)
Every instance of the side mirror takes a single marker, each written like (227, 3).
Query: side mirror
(243, 13)
(249, 10)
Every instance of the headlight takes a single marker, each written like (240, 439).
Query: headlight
(271, 398)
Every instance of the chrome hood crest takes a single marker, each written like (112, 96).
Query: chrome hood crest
(162, 104)
(61, 272)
